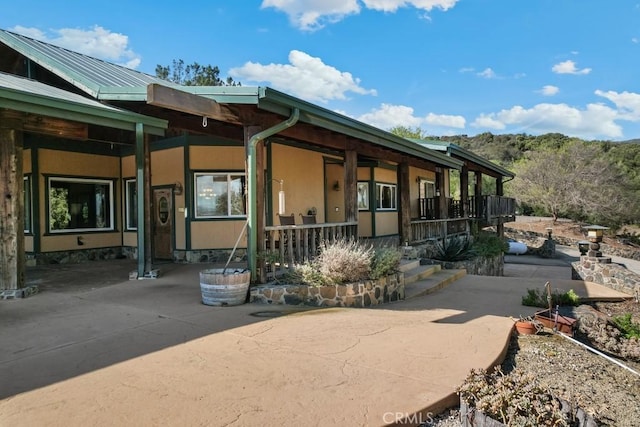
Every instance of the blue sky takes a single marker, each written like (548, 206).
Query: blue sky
(446, 66)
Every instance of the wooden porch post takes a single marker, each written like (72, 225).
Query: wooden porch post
(404, 210)
(464, 191)
(442, 210)
(12, 209)
(350, 186)
(259, 179)
(477, 192)
(500, 192)
(143, 189)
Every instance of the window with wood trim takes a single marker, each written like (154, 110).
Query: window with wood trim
(219, 195)
(78, 204)
(386, 197)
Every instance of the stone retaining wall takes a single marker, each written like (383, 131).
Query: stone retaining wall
(479, 266)
(531, 238)
(611, 275)
(363, 294)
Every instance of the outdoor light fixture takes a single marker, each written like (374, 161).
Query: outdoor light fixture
(281, 202)
(336, 186)
(595, 232)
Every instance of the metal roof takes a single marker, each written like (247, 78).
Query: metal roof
(457, 151)
(87, 73)
(21, 94)
(110, 82)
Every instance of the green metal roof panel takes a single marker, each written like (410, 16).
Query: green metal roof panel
(84, 72)
(30, 96)
(455, 150)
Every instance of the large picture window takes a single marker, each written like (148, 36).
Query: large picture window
(27, 204)
(76, 204)
(219, 195)
(131, 208)
(386, 196)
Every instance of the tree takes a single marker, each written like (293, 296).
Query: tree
(576, 181)
(407, 132)
(193, 74)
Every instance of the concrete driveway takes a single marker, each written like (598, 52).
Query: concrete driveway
(147, 352)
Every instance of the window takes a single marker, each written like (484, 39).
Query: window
(363, 196)
(386, 195)
(80, 205)
(427, 189)
(219, 195)
(131, 204)
(27, 204)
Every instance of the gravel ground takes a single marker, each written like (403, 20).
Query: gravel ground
(608, 392)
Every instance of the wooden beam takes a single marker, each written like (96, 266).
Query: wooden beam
(50, 126)
(11, 205)
(351, 185)
(178, 100)
(404, 214)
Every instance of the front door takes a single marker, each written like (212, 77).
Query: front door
(162, 223)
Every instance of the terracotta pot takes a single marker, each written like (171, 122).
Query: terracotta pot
(526, 327)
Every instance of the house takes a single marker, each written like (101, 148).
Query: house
(200, 173)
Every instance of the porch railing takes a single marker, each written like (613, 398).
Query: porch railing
(425, 230)
(284, 246)
(493, 209)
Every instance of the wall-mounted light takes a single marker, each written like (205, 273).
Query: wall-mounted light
(177, 188)
(281, 201)
(336, 186)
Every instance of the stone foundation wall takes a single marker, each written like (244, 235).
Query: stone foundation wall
(611, 275)
(208, 256)
(77, 256)
(363, 294)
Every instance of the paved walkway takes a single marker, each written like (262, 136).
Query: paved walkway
(87, 351)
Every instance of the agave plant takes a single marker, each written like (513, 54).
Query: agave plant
(452, 249)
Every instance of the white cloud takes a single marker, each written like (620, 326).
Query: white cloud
(635, 40)
(394, 5)
(445, 120)
(487, 73)
(467, 70)
(628, 103)
(97, 42)
(595, 121)
(549, 90)
(310, 15)
(569, 67)
(388, 116)
(305, 76)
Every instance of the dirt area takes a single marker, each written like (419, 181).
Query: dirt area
(608, 392)
(564, 228)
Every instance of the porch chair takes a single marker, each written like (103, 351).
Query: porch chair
(287, 219)
(308, 219)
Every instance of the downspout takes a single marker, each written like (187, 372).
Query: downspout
(252, 242)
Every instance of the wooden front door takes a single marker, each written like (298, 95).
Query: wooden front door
(162, 223)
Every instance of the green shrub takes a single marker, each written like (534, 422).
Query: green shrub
(385, 261)
(489, 245)
(627, 326)
(453, 249)
(305, 274)
(535, 298)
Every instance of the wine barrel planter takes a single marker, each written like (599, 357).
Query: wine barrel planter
(224, 288)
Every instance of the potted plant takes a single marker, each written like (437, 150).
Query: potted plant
(528, 326)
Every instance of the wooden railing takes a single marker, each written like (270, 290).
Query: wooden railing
(424, 230)
(285, 246)
(493, 210)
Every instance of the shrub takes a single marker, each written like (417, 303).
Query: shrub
(345, 261)
(535, 298)
(454, 249)
(514, 399)
(489, 245)
(627, 326)
(306, 274)
(385, 261)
